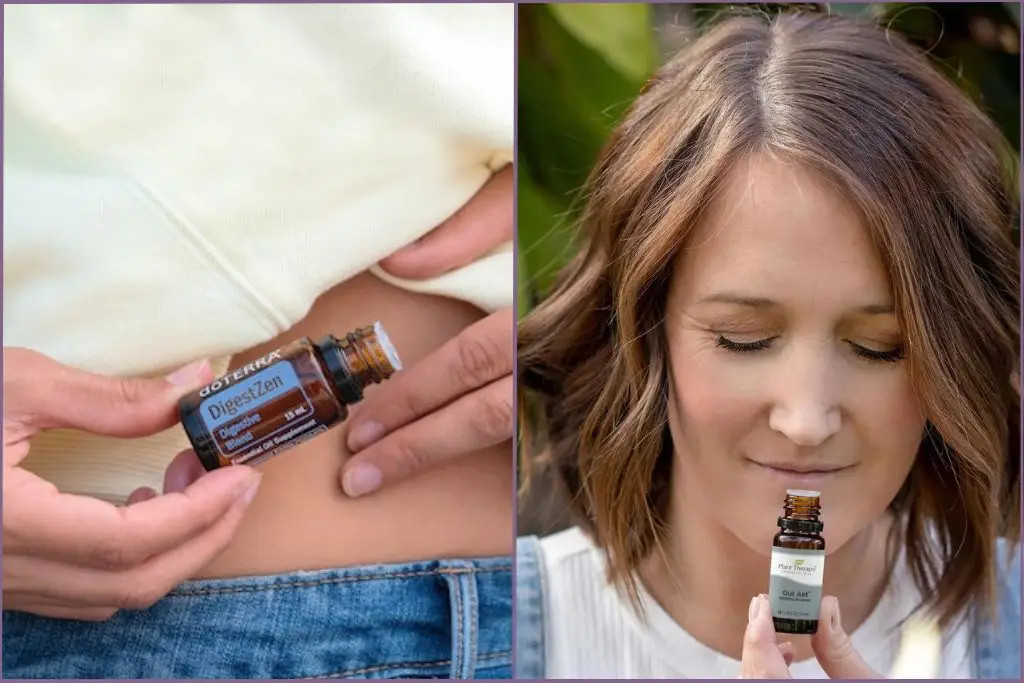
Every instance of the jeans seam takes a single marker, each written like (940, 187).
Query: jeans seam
(187, 592)
(457, 650)
(474, 623)
(403, 665)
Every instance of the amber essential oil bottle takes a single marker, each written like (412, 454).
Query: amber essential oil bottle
(288, 396)
(798, 565)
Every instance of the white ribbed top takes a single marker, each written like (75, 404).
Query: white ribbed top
(590, 632)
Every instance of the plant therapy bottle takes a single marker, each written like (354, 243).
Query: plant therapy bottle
(798, 565)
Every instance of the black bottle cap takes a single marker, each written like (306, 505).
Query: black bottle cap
(348, 387)
(804, 525)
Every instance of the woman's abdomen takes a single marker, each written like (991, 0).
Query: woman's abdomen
(301, 519)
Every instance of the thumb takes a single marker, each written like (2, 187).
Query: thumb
(481, 225)
(61, 396)
(833, 647)
(183, 471)
(762, 657)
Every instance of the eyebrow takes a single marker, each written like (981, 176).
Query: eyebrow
(764, 303)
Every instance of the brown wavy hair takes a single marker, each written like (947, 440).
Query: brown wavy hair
(937, 185)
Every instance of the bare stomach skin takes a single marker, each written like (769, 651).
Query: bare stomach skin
(301, 520)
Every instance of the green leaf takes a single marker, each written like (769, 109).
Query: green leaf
(545, 239)
(620, 32)
(570, 99)
(524, 294)
(1013, 8)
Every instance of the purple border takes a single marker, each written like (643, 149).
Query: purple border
(1020, 38)
(515, 297)
(515, 336)
(1020, 53)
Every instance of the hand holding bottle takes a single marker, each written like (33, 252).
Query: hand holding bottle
(460, 398)
(77, 557)
(765, 657)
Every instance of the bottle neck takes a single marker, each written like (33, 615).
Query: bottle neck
(357, 360)
(800, 513)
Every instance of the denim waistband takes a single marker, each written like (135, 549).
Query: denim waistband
(430, 619)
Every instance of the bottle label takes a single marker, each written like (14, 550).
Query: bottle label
(233, 377)
(270, 450)
(794, 589)
(259, 413)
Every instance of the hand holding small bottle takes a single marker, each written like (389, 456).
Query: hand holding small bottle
(76, 557)
(765, 657)
(460, 398)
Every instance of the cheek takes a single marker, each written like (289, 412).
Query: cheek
(890, 420)
(712, 395)
(886, 426)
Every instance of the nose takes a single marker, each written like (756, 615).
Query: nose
(806, 409)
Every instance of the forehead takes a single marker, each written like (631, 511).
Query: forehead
(781, 231)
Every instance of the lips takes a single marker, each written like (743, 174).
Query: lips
(802, 475)
(802, 468)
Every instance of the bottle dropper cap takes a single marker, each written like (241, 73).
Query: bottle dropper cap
(386, 346)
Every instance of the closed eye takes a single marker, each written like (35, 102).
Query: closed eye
(890, 356)
(743, 347)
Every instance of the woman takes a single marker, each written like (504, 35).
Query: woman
(797, 272)
(188, 182)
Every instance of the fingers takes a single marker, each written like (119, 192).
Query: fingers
(482, 224)
(762, 657)
(183, 471)
(478, 420)
(786, 648)
(123, 407)
(152, 581)
(89, 532)
(479, 355)
(833, 648)
(44, 582)
(139, 495)
(47, 394)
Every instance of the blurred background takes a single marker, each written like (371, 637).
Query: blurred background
(581, 65)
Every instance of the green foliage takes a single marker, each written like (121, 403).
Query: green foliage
(581, 65)
(576, 79)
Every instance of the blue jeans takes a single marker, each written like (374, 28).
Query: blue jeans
(431, 619)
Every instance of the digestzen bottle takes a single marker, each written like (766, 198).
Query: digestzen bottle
(798, 565)
(285, 398)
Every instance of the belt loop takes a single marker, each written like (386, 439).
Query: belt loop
(461, 578)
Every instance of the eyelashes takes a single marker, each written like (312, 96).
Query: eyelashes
(870, 355)
(737, 347)
(891, 356)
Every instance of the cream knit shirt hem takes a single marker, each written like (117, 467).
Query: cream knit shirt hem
(182, 181)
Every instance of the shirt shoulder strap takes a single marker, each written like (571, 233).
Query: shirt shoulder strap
(998, 642)
(529, 659)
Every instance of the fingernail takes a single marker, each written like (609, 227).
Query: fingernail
(186, 376)
(249, 488)
(360, 480)
(364, 434)
(836, 621)
(755, 607)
